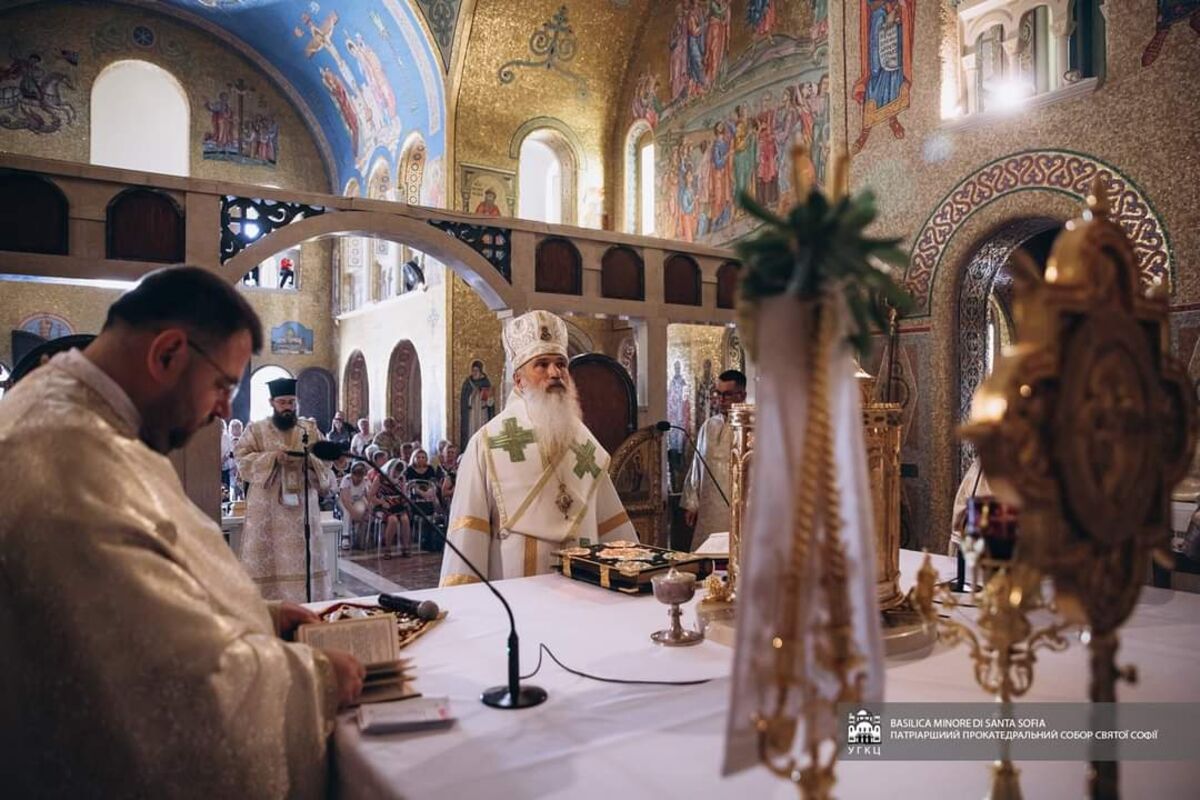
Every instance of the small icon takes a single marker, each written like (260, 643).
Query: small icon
(862, 727)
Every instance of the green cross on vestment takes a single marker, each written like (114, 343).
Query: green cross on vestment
(585, 459)
(512, 440)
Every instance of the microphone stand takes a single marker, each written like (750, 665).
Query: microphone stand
(513, 694)
(699, 455)
(307, 529)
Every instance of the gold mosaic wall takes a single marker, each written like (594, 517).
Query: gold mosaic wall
(95, 34)
(309, 306)
(1135, 122)
(83, 307)
(489, 113)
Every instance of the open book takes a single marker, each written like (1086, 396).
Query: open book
(373, 641)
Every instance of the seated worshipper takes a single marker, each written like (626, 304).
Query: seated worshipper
(424, 489)
(704, 508)
(533, 479)
(391, 511)
(450, 470)
(271, 459)
(338, 432)
(139, 659)
(388, 439)
(360, 441)
(406, 452)
(355, 496)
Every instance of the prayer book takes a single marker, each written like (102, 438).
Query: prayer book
(412, 715)
(372, 640)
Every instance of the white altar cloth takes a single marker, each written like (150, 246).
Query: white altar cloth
(598, 740)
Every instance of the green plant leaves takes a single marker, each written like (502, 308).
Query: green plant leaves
(821, 245)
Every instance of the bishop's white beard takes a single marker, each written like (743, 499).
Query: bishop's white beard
(554, 416)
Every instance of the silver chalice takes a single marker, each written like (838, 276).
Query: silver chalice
(675, 588)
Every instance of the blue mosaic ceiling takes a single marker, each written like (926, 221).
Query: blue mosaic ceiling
(365, 69)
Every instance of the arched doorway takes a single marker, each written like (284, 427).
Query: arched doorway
(260, 395)
(357, 393)
(317, 392)
(607, 398)
(985, 305)
(404, 390)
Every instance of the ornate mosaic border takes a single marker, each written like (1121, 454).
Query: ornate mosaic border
(1062, 171)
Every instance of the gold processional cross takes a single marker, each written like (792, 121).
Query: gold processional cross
(1086, 424)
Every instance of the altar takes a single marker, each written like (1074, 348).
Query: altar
(604, 740)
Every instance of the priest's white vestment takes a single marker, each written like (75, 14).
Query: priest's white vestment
(715, 443)
(272, 545)
(512, 508)
(138, 658)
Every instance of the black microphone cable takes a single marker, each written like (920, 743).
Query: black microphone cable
(542, 648)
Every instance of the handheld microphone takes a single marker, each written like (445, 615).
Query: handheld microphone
(425, 609)
(510, 695)
(665, 426)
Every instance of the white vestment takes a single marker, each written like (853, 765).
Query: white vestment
(715, 443)
(272, 544)
(512, 509)
(138, 658)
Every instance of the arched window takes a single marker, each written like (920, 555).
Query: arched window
(412, 170)
(352, 286)
(540, 179)
(260, 395)
(645, 149)
(547, 176)
(140, 119)
(382, 254)
(639, 179)
(35, 213)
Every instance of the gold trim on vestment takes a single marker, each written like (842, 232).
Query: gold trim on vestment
(458, 580)
(471, 523)
(494, 476)
(547, 473)
(573, 531)
(612, 523)
(531, 556)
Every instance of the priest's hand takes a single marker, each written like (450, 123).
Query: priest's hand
(689, 517)
(348, 673)
(292, 616)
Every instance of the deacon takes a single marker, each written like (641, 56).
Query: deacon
(138, 658)
(273, 536)
(704, 508)
(533, 480)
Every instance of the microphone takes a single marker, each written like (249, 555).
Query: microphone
(665, 426)
(425, 609)
(510, 695)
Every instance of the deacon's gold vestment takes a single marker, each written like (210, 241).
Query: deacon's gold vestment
(138, 659)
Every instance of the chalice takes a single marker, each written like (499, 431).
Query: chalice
(675, 588)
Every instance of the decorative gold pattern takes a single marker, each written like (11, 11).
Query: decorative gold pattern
(458, 580)
(741, 417)
(1088, 422)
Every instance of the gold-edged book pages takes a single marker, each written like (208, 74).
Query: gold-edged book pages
(372, 640)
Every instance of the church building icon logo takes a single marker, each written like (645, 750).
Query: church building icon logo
(863, 727)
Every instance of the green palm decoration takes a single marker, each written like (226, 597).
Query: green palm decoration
(819, 247)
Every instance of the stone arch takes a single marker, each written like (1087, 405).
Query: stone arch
(357, 399)
(984, 269)
(1061, 171)
(411, 174)
(472, 267)
(404, 390)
